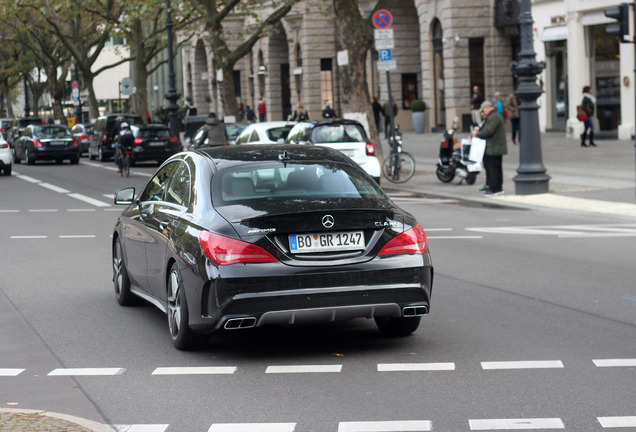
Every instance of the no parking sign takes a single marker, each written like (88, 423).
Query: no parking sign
(382, 19)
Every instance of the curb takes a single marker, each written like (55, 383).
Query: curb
(19, 420)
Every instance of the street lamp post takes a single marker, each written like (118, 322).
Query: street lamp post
(531, 175)
(172, 95)
(27, 107)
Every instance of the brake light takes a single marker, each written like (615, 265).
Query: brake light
(75, 142)
(83, 137)
(3, 130)
(174, 140)
(138, 141)
(37, 143)
(224, 250)
(4, 145)
(104, 137)
(370, 149)
(412, 241)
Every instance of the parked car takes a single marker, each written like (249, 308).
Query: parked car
(153, 142)
(265, 133)
(5, 127)
(46, 142)
(247, 236)
(6, 157)
(346, 136)
(233, 131)
(102, 145)
(19, 124)
(82, 132)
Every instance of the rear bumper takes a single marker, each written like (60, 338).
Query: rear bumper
(140, 154)
(49, 153)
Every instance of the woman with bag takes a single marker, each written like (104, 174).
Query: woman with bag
(585, 111)
(512, 107)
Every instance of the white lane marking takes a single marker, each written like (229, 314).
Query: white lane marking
(516, 424)
(87, 372)
(454, 237)
(54, 188)
(437, 229)
(77, 236)
(142, 428)
(386, 426)
(27, 178)
(89, 200)
(565, 231)
(617, 422)
(11, 372)
(110, 196)
(194, 370)
(42, 210)
(544, 364)
(615, 362)
(120, 209)
(9, 211)
(400, 367)
(253, 427)
(304, 369)
(29, 237)
(80, 210)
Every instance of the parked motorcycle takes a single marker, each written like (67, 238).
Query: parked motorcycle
(453, 159)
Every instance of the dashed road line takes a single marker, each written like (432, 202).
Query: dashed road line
(142, 428)
(88, 200)
(11, 372)
(194, 370)
(386, 426)
(28, 237)
(87, 372)
(304, 369)
(615, 362)
(61, 190)
(412, 367)
(544, 364)
(43, 210)
(54, 188)
(77, 236)
(253, 427)
(516, 424)
(617, 422)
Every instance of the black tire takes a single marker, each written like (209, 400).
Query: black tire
(125, 169)
(28, 158)
(75, 160)
(7, 170)
(59, 161)
(16, 159)
(471, 178)
(405, 164)
(445, 175)
(100, 155)
(91, 156)
(401, 326)
(181, 334)
(121, 282)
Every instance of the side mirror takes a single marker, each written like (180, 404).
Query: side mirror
(125, 196)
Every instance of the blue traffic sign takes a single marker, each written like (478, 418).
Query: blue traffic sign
(385, 54)
(382, 19)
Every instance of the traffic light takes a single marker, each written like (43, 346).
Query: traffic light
(621, 14)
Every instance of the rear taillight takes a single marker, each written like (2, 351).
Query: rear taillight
(370, 149)
(4, 145)
(3, 130)
(224, 250)
(174, 140)
(83, 137)
(138, 141)
(75, 142)
(412, 241)
(104, 137)
(37, 143)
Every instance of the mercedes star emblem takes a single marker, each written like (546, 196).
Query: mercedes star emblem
(327, 221)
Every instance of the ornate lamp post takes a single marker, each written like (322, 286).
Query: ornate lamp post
(172, 95)
(531, 175)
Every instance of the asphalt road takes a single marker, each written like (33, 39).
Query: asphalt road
(532, 326)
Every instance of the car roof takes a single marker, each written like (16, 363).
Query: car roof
(226, 156)
(269, 125)
(334, 122)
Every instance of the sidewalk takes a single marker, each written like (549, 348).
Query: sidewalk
(17, 420)
(584, 179)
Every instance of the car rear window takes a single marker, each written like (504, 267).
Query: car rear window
(338, 133)
(279, 133)
(51, 131)
(293, 186)
(153, 133)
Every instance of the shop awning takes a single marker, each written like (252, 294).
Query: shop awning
(551, 34)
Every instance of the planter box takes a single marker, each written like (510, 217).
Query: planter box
(419, 121)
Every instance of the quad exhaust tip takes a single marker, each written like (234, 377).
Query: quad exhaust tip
(240, 323)
(414, 311)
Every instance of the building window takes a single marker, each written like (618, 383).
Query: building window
(236, 76)
(409, 89)
(326, 80)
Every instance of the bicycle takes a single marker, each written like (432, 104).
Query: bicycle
(398, 166)
(126, 161)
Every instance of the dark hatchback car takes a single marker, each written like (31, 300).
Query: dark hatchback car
(102, 144)
(153, 143)
(18, 125)
(82, 132)
(247, 236)
(46, 142)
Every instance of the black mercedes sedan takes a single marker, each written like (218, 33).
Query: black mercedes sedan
(247, 236)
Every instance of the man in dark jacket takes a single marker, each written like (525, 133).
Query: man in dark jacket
(214, 131)
(494, 132)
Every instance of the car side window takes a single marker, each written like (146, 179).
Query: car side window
(293, 135)
(254, 136)
(179, 190)
(242, 139)
(157, 185)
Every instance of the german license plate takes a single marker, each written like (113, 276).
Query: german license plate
(59, 143)
(156, 143)
(326, 242)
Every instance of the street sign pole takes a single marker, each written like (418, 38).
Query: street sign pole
(382, 20)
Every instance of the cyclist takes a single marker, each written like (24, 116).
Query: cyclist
(125, 140)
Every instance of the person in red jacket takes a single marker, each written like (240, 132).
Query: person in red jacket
(261, 110)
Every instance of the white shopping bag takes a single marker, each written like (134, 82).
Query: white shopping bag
(477, 149)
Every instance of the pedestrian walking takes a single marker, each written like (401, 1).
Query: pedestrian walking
(494, 132)
(214, 131)
(300, 114)
(241, 110)
(328, 112)
(475, 105)
(387, 118)
(377, 111)
(262, 110)
(249, 114)
(585, 114)
(512, 106)
(499, 105)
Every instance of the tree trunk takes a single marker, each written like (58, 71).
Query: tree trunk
(355, 34)
(93, 107)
